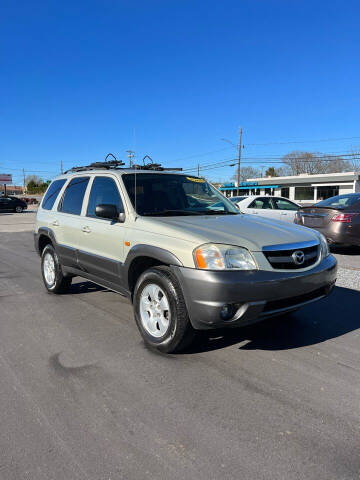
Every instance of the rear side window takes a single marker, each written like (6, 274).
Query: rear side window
(104, 191)
(74, 196)
(282, 204)
(340, 201)
(52, 193)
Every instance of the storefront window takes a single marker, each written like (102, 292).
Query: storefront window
(285, 192)
(304, 193)
(326, 192)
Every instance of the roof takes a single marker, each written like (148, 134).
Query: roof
(327, 177)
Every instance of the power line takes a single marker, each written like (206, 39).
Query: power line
(304, 141)
(227, 163)
(335, 139)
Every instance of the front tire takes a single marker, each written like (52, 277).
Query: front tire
(18, 209)
(52, 274)
(160, 311)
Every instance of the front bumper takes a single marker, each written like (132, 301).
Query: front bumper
(254, 294)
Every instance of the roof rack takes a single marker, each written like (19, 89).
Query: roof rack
(107, 165)
(153, 166)
(118, 164)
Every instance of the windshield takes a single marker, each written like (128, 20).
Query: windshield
(173, 194)
(340, 201)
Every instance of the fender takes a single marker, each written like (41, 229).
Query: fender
(143, 250)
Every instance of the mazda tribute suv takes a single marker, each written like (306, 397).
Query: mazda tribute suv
(182, 253)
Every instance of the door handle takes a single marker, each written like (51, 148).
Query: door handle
(283, 213)
(55, 223)
(86, 229)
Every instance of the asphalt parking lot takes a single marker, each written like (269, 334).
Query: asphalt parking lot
(82, 398)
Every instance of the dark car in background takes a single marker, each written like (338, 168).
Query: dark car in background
(12, 204)
(337, 218)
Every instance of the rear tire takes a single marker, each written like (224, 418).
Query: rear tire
(160, 311)
(52, 274)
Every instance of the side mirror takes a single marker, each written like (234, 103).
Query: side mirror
(110, 212)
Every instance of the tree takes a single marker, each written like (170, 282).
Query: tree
(33, 178)
(271, 172)
(300, 162)
(354, 160)
(35, 184)
(247, 172)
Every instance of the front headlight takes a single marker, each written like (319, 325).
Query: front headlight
(223, 257)
(325, 250)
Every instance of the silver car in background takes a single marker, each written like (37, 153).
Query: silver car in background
(276, 208)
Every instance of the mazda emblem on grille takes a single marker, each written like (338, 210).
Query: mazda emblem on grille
(299, 257)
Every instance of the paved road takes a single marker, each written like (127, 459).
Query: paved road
(82, 398)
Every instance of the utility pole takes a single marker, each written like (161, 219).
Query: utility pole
(24, 178)
(61, 166)
(131, 155)
(198, 169)
(239, 160)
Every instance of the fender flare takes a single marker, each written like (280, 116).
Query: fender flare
(143, 250)
(48, 232)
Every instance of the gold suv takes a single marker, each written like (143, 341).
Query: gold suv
(178, 249)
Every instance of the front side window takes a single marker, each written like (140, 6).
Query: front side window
(263, 203)
(281, 204)
(52, 193)
(104, 191)
(172, 194)
(74, 196)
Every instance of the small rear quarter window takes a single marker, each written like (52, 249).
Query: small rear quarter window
(52, 193)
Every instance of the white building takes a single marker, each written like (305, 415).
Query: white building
(303, 189)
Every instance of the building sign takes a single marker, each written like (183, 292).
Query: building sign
(5, 179)
(249, 184)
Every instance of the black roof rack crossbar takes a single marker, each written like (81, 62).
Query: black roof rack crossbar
(112, 164)
(116, 164)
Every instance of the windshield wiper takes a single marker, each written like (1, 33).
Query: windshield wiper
(218, 212)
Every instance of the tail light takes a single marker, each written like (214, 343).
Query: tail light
(344, 217)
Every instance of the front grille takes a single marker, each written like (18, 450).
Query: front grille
(283, 259)
(299, 299)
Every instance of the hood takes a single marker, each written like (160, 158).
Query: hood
(243, 230)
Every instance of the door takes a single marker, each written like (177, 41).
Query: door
(101, 251)
(6, 204)
(285, 208)
(263, 207)
(67, 221)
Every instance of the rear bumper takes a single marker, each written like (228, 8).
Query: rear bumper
(253, 295)
(341, 233)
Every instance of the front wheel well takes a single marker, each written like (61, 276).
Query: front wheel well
(138, 266)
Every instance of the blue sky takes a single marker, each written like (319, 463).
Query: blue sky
(77, 78)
